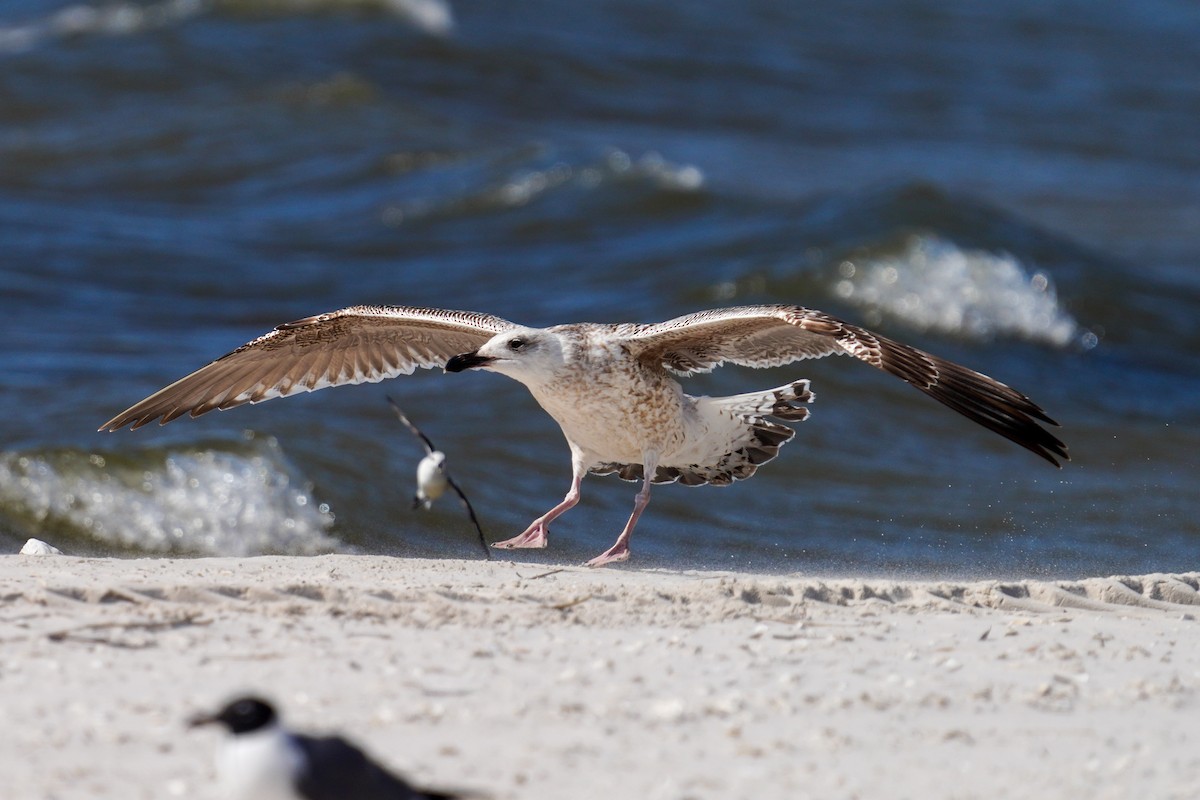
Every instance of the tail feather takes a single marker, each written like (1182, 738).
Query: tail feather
(739, 438)
(786, 402)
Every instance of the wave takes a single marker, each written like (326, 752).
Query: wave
(236, 498)
(523, 187)
(931, 261)
(932, 284)
(433, 17)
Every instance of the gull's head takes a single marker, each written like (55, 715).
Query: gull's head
(243, 715)
(529, 355)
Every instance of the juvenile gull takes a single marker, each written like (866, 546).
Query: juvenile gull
(261, 760)
(433, 479)
(611, 388)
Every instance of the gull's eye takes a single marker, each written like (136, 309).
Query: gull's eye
(516, 344)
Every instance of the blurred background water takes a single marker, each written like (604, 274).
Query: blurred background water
(1015, 186)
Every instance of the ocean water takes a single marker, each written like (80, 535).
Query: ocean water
(1014, 186)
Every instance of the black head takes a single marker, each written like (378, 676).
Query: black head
(243, 715)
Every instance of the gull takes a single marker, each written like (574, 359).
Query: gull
(261, 760)
(433, 479)
(612, 388)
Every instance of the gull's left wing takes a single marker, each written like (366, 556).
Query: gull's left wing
(776, 335)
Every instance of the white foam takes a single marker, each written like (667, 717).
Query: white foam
(524, 187)
(240, 501)
(933, 284)
(434, 17)
(431, 16)
(615, 166)
(126, 18)
(108, 19)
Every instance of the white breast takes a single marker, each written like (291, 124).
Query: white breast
(259, 766)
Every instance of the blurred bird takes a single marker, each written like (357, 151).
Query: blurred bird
(261, 760)
(432, 478)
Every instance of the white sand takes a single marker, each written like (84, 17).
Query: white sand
(616, 684)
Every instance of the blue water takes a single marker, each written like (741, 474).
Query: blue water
(1013, 186)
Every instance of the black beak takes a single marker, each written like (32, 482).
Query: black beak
(199, 720)
(464, 361)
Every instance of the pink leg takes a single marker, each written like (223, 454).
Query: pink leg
(620, 549)
(535, 534)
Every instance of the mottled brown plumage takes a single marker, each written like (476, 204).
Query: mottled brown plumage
(611, 388)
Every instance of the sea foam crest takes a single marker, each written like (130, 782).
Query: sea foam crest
(127, 18)
(529, 185)
(108, 19)
(235, 500)
(932, 284)
(616, 165)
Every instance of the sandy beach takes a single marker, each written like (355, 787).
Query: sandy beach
(526, 681)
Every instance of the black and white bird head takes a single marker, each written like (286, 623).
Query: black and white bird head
(528, 355)
(259, 759)
(244, 715)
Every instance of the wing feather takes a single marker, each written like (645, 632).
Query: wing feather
(775, 335)
(352, 345)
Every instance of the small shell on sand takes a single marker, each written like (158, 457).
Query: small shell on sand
(36, 547)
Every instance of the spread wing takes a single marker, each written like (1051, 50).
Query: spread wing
(361, 344)
(775, 335)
